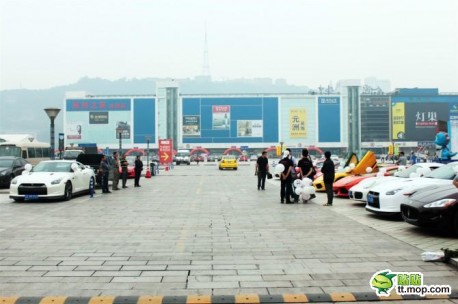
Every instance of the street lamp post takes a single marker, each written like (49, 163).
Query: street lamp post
(52, 114)
(147, 148)
(148, 171)
(119, 131)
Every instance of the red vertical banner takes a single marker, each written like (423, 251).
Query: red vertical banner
(165, 151)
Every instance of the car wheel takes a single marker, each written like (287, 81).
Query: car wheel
(68, 191)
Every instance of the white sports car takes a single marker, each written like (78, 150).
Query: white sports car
(359, 192)
(387, 197)
(52, 179)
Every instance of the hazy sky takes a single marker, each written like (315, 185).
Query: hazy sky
(413, 43)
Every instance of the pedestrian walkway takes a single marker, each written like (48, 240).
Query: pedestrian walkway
(195, 230)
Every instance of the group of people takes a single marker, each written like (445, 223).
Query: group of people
(305, 170)
(122, 163)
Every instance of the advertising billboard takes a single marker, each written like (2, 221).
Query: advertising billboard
(328, 119)
(225, 121)
(191, 125)
(98, 120)
(165, 151)
(249, 128)
(417, 121)
(221, 117)
(297, 120)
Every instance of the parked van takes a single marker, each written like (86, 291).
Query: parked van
(183, 156)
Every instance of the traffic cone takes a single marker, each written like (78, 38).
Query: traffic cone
(148, 173)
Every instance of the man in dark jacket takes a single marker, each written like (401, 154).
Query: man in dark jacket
(328, 171)
(124, 168)
(105, 169)
(138, 170)
(285, 179)
(262, 167)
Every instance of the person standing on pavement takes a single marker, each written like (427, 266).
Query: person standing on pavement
(124, 165)
(306, 165)
(105, 169)
(328, 171)
(402, 160)
(294, 160)
(138, 170)
(286, 179)
(116, 166)
(262, 168)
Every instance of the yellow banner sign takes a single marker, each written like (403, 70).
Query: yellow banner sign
(399, 121)
(297, 118)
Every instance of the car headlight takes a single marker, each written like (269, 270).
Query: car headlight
(56, 181)
(443, 203)
(393, 192)
(14, 181)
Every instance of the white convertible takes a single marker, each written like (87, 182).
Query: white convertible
(359, 191)
(388, 197)
(52, 179)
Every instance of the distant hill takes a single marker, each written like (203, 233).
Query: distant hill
(21, 111)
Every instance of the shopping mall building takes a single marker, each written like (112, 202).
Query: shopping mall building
(349, 121)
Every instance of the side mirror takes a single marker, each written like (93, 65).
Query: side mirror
(74, 167)
(28, 167)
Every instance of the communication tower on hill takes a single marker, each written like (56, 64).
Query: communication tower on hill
(206, 65)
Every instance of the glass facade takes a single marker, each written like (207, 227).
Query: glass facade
(375, 118)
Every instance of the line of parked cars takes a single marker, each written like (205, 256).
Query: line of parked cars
(423, 194)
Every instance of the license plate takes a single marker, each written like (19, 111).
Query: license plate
(370, 199)
(31, 196)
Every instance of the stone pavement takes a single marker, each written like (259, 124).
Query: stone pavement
(198, 230)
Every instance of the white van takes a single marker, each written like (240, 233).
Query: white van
(183, 156)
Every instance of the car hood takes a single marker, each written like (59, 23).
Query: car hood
(33, 177)
(407, 183)
(351, 179)
(433, 193)
(4, 168)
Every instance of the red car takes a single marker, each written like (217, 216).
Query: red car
(342, 186)
(130, 168)
(243, 158)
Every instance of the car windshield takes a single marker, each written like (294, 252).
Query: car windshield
(445, 172)
(229, 157)
(72, 154)
(6, 163)
(406, 173)
(53, 167)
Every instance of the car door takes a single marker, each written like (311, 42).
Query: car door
(86, 177)
(78, 178)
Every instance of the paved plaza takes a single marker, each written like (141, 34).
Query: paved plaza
(197, 230)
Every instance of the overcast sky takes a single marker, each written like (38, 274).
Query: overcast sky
(412, 43)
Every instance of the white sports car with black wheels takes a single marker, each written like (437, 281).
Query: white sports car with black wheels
(53, 179)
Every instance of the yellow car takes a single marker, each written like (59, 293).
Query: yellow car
(368, 160)
(228, 162)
